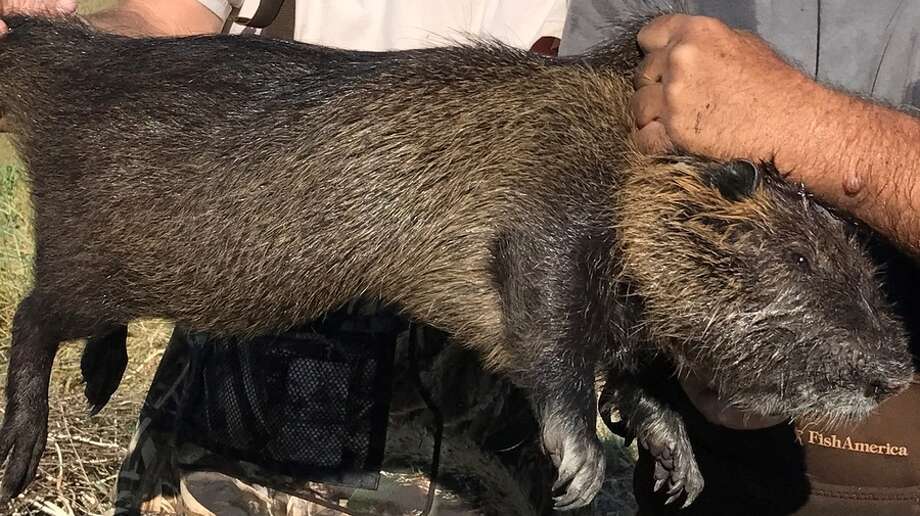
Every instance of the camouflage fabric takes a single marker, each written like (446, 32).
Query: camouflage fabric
(491, 461)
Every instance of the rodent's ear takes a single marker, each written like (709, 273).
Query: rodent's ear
(735, 180)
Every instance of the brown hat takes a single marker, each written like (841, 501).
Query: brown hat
(870, 469)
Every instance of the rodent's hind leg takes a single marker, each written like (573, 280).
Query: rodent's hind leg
(103, 364)
(25, 421)
(37, 330)
(658, 428)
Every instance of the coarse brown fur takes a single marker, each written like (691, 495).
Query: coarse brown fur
(242, 186)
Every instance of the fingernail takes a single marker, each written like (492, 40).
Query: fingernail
(2, 28)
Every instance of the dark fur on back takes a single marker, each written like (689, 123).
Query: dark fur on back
(302, 116)
(240, 185)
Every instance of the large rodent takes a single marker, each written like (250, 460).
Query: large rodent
(239, 186)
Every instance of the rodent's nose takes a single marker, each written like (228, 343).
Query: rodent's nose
(880, 389)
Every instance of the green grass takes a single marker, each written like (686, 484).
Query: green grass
(15, 235)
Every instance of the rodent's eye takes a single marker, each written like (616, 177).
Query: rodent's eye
(800, 261)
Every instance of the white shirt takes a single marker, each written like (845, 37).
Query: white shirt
(404, 24)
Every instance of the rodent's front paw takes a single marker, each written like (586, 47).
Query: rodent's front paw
(579, 458)
(675, 464)
(23, 438)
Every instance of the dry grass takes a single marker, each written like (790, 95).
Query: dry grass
(78, 469)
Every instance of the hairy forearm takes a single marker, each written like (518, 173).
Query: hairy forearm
(859, 155)
(160, 18)
(126, 21)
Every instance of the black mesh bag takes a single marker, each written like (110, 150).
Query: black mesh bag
(311, 403)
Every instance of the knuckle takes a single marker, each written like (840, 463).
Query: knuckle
(657, 32)
(645, 71)
(673, 93)
(683, 55)
(649, 33)
(643, 36)
(699, 24)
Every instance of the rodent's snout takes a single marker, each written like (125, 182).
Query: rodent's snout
(877, 374)
(886, 370)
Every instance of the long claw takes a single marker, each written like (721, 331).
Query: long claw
(672, 498)
(93, 409)
(569, 498)
(676, 488)
(565, 478)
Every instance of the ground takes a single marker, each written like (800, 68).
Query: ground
(83, 453)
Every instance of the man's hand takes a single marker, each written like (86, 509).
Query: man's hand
(708, 89)
(35, 7)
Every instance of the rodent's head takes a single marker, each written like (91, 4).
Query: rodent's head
(753, 286)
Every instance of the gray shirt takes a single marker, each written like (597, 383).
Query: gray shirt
(867, 47)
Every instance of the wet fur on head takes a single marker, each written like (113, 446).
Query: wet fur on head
(759, 288)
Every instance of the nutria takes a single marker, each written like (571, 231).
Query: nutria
(239, 185)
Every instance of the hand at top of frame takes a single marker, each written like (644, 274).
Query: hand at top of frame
(35, 7)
